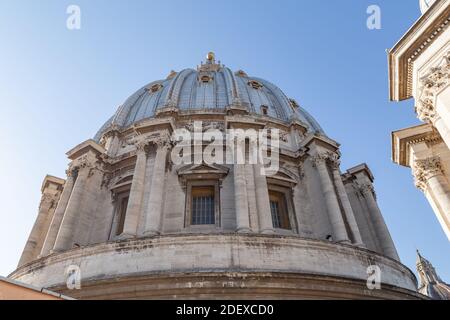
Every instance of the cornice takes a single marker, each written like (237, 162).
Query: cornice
(52, 180)
(364, 168)
(84, 147)
(401, 57)
(404, 138)
(320, 140)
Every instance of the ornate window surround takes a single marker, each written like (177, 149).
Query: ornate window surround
(202, 175)
(284, 182)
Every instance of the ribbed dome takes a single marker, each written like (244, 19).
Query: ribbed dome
(212, 87)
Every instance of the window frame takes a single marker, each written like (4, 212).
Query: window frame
(120, 191)
(192, 184)
(287, 195)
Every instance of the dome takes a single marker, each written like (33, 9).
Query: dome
(138, 224)
(211, 88)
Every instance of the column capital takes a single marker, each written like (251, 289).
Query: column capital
(48, 200)
(334, 161)
(86, 161)
(141, 145)
(367, 189)
(163, 143)
(326, 157)
(425, 169)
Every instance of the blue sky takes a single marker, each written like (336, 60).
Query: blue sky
(57, 87)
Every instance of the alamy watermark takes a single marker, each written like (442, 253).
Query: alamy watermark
(73, 21)
(374, 19)
(73, 277)
(374, 277)
(231, 146)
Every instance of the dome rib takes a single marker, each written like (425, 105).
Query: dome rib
(174, 91)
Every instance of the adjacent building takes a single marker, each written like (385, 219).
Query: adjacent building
(419, 68)
(15, 290)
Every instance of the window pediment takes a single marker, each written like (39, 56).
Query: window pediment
(283, 178)
(202, 171)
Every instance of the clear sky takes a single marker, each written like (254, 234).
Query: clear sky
(58, 86)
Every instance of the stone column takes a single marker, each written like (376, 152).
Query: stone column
(262, 201)
(112, 140)
(381, 230)
(29, 253)
(240, 199)
(155, 202)
(69, 221)
(430, 179)
(331, 201)
(348, 210)
(136, 193)
(59, 214)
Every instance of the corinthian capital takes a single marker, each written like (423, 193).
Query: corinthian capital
(334, 160)
(327, 157)
(141, 145)
(367, 189)
(318, 159)
(86, 161)
(425, 169)
(47, 200)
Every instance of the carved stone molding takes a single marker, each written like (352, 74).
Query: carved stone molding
(426, 111)
(425, 169)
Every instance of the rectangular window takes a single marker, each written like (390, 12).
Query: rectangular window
(203, 206)
(278, 209)
(123, 204)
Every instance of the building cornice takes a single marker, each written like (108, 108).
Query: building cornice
(401, 57)
(52, 180)
(84, 147)
(404, 138)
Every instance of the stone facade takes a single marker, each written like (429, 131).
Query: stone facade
(419, 66)
(124, 215)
